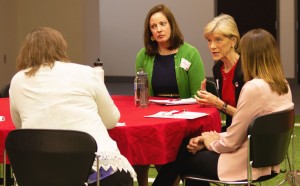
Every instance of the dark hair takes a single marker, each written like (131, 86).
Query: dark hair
(176, 38)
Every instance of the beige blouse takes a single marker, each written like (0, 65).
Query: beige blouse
(256, 99)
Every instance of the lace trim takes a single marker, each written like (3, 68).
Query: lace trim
(114, 160)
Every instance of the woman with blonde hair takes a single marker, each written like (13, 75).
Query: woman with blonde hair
(50, 92)
(223, 156)
(223, 41)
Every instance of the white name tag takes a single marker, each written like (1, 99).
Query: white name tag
(2, 118)
(185, 64)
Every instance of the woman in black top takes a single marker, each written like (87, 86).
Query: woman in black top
(223, 38)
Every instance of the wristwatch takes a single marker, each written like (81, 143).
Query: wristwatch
(224, 107)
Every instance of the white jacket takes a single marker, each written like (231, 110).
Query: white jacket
(68, 96)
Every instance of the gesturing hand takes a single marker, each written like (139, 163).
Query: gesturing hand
(206, 98)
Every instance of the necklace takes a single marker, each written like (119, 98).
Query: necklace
(166, 52)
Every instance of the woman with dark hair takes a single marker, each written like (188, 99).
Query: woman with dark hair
(174, 67)
(223, 156)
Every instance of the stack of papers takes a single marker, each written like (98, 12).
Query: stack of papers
(174, 101)
(175, 114)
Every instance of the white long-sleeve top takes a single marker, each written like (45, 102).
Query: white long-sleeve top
(256, 99)
(68, 96)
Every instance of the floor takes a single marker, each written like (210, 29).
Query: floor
(125, 87)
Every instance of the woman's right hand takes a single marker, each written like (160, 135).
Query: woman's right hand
(205, 98)
(195, 144)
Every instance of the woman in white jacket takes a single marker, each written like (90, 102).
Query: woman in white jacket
(50, 92)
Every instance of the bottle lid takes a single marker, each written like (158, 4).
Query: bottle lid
(142, 74)
(98, 63)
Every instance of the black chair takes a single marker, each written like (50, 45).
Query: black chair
(45, 157)
(212, 88)
(273, 131)
(4, 91)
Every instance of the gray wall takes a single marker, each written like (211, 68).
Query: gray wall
(121, 31)
(122, 25)
(113, 30)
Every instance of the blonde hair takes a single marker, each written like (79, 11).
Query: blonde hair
(225, 25)
(261, 59)
(41, 47)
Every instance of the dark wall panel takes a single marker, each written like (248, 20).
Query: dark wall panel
(251, 14)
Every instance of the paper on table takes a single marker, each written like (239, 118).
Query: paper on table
(2, 118)
(120, 124)
(181, 115)
(174, 101)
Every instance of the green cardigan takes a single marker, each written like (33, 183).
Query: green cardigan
(188, 81)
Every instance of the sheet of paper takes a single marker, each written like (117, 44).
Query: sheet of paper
(174, 101)
(120, 124)
(173, 114)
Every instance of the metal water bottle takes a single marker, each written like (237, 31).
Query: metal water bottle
(141, 98)
(98, 64)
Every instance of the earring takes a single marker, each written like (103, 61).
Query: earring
(152, 38)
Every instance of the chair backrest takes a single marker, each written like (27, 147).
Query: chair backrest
(50, 157)
(212, 88)
(269, 138)
(4, 91)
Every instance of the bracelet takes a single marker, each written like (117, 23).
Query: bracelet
(224, 107)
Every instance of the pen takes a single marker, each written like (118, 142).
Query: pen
(177, 112)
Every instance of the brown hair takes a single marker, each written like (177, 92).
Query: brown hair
(41, 47)
(261, 59)
(225, 25)
(176, 38)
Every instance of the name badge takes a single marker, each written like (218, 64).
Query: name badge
(185, 64)
(2, 118)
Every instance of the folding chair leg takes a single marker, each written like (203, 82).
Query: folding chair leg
(4, 169)
(15, 181)
(282, 182)
(98, 170)
(289, 176)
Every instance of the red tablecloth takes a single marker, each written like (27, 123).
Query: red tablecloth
(5, 126)
(143, 140)
(156, 140)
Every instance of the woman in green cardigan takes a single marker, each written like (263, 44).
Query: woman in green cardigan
(174, 67)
